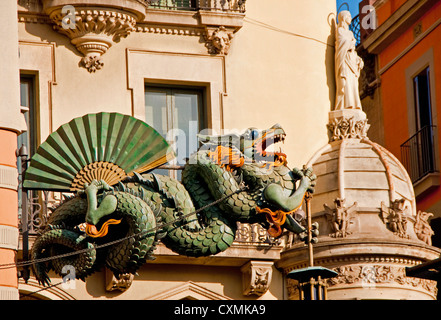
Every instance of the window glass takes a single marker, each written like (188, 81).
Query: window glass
(177, 114)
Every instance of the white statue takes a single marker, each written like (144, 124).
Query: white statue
(347, 65)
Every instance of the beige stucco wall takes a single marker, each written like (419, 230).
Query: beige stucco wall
(279, 69)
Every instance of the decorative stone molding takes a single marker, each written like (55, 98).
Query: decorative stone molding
(122, 284)
(254, 234)
(346, 128)
(93, 29)
(218, 40)
(394, 217)
(256, 277)
(370, 275)
(172, 30)
(8, 177)
(9, 237)
(188, 290)
(340, 217)
(422, 228)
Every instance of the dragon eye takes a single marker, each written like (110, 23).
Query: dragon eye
(254, 134)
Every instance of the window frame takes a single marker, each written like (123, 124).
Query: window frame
(426, 60)
(170, 90)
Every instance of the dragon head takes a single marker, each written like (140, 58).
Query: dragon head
(251, 146)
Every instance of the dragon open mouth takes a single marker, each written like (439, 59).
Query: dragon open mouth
(270, 137)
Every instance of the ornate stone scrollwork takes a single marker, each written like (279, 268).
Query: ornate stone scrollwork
(256, 277)
(395, 217)
(370, 275)
(218, 40)
(340, 217)
(345, 128)
(93, 30)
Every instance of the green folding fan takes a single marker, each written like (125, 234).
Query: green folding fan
(102, 146)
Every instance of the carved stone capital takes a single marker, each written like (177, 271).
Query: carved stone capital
(218, 40)
(345, 128)
(347, 124)
(256, 277)
(93, 30)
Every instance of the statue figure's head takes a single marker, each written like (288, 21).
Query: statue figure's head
(344, 17)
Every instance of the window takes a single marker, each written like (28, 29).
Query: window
(423, 108)
(27, 103)
(177, 113)
(423, 117)
(418, 152)
(29, 137)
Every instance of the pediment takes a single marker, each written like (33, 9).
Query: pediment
(188, 291)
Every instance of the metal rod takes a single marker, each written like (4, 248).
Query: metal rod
(309, 220)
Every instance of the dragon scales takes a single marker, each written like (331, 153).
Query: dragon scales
(229, 179)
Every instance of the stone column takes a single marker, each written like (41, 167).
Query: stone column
(11, 123)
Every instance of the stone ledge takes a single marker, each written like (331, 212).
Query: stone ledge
(429, 182)
(235, 256)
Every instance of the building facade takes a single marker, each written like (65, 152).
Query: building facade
(186, 67)
(405, 48)
(221, 66)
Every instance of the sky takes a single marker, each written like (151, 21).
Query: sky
(353, 6)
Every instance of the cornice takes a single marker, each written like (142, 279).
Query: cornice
(401, 20)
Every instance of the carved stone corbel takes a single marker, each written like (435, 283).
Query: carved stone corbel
(93, 30)
(340, 217)
(218, 40)
(122, 284)
(256, 277)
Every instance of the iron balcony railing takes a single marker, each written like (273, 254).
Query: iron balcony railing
(418, 153)
(193, 5)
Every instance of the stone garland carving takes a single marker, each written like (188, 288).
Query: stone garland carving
(218, 41)
(370, 275)
(340, 217)
(422, 227)
(346, 128)
(395, 217)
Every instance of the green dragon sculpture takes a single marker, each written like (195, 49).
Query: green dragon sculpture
(119, 226)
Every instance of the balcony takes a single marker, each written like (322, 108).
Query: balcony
(419, 158)
(194, 5)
